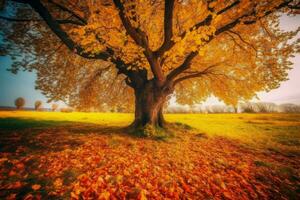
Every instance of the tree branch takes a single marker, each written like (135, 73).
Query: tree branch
(242, 39)
(296, 7)
(196, 74)
(253, 13)
(62, 35)
(19, 20)
(140, 39)
(206, 22)
(68, 21)
(97, 73)
(185, 65)
(168, 26)
(82, 20)
(173, 74)
(235, 42)
(235, 3)
(60, 21)
(137, 35)
(21, 1)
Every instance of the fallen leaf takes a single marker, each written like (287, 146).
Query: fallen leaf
(15, 185)
(20, 166)
(11, 197)
(104, 195)
(12, 173)
(28, 197)
(36, 187)
(58, 183)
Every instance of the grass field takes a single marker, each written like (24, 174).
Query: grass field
(88, 155)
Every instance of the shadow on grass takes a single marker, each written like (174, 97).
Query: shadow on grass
(8, 125)
(47, 135)
(12, 123)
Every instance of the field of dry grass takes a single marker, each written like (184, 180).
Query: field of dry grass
(89, 156)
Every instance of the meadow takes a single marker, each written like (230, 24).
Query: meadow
(90, 156)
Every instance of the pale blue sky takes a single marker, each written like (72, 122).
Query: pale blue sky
(22, 84)
(13, 86)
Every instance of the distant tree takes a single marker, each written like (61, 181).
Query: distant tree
(289, 108)
(38, 105)
(54, 107)
(248, 107)
(216, 109)
(20, 102)
(265, 107)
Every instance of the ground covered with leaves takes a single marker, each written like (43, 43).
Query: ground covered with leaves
(71, 159)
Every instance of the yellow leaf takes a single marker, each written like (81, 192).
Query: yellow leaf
(104, 195)
(142, 195)
(58, 183)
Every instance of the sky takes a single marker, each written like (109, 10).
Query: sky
(22, 84)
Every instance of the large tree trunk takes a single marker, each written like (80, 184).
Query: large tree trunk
(149, 101)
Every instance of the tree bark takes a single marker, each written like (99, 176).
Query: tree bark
(149, 101)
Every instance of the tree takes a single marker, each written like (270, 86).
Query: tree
(54, 107)
(289, 108)
(38, 105)
(19, 103)
(151, 49)
(265, 107)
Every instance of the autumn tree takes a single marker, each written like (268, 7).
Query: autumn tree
(20, 103)
(87, 52)
(38, 105)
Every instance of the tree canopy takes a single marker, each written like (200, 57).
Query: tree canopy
(91, 52)
(20, 102)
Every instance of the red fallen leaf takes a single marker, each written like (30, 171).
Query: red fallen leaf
(20, 166)
(15, 185)
(28, 197)
(38, 197)
(11, 197)
(185, 186)
(36, 187)
(12, 173)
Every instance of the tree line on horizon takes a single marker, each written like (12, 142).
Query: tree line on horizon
(20, 103)
(248, 107)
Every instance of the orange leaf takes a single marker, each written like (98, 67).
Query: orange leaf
(58, 183)
(36, 187)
